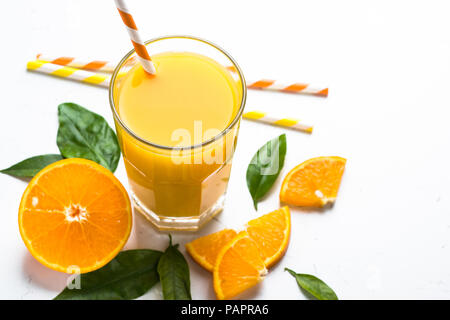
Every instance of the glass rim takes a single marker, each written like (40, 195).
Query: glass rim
(198, 145)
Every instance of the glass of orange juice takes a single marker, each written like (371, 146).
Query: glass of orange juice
(178, 129)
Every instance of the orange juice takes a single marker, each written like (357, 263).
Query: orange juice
(177, 136)
(188, 88)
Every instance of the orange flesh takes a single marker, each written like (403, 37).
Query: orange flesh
(313, 183)
(271, 234)
(239, 266)
(204, 250)
(75, 213)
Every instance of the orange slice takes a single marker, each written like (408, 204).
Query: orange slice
(238, 267)
(313, 183)
(75, 216)
(271, 233)
(204, 250)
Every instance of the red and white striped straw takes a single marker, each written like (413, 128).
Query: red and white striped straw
(139, 46)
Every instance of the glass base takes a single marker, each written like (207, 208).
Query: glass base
(179, 223)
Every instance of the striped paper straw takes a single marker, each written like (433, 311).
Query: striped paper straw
(69, 73)
(93, 65)
(138, 44)
(274, 85)
(103, 80)
(280, 122)
(84, 64)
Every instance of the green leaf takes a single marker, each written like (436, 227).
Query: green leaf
(174, 274)
(29, 167)
(314, 286)
(266, 164)
(128, 276)
(84, 134)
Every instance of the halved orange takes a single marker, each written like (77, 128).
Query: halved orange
(238, 267)
(271, 233)
(313, 183)
(75, 215)
(204, 250)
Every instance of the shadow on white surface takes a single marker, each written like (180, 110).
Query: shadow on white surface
(251, 293)
(146, 236)
(42, 276)
(205, 288)
(326, 209)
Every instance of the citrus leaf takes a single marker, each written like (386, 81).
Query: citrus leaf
(84, 134)
(314, 286)
(263, 170)
(29, 167)
(128, 276)
(174, 274)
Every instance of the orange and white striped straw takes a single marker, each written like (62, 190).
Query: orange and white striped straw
(290, 123)
(103, 80)
(280, 86)
(262, 84)
(92, 65)
(274, 85)
(138, 44)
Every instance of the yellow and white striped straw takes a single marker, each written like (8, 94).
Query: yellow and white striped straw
(290, 123)
(98, 79)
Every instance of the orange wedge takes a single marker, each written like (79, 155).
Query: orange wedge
(204, 250)
(313, 183)
(238, 267)
(271, 233)
(75, 216)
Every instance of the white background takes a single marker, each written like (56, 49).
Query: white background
(387, 64)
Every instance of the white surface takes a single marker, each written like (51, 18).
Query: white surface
(388, 68)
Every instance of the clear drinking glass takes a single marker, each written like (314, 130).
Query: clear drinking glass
(178, 188)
